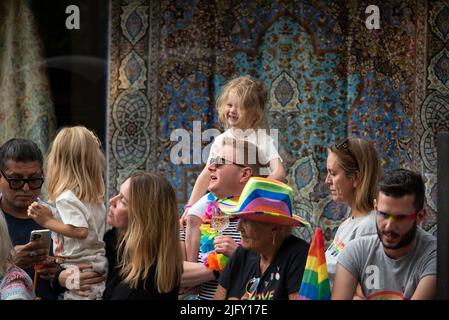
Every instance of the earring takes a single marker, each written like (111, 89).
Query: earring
(274, 237)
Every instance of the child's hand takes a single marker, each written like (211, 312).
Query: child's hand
(39, 213)
(182, 220)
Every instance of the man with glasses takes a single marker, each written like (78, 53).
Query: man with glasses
(400, 261)
(229, 173)
(21, 179)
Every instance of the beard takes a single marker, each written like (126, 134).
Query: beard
(404, 240)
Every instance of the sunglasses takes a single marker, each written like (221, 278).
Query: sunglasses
(345, 147)
(399, 218)
(18, 183)
(219, 161)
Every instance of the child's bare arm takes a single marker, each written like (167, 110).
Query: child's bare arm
(43, 216)
(66, 229)
(199, 189)
(193, 235)
(278, 172)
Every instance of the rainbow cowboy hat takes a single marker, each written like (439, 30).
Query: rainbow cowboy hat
(264, 200)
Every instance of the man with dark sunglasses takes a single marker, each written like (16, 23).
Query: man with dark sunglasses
(21, 179)
(400, 261)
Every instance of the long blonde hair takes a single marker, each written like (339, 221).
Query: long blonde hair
(252, 98)
(76, 162)
(152, 233)
(5, 246)
(359, 160)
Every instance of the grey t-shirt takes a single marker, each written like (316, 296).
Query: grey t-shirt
(384, 278)
(350, 229)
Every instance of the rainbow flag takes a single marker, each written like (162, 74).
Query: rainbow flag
(315, 281)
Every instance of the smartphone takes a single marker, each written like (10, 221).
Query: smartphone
(44, 235)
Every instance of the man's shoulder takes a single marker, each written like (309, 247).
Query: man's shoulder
(427, 241)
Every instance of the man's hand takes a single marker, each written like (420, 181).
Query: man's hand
(225, 245)
(28, 255)
(41, 214)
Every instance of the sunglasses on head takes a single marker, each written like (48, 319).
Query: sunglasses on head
(219, 161)
(345, 147)
(342, 145)
(18, 183)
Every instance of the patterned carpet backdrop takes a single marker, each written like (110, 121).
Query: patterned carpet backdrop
(327, 75)
(26, 107)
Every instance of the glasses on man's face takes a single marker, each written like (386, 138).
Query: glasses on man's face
(219, 161)
(18, 183)
(251, 288)
(396, 217)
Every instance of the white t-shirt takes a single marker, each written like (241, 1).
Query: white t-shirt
(267, 147)
(350, 229)
(71, 210)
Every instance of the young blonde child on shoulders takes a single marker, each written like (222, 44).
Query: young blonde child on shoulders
(241, 111)
(75, 184)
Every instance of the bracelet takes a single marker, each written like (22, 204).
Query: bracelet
(187, 206)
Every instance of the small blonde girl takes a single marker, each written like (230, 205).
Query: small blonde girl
(240, 107)
(74, 173)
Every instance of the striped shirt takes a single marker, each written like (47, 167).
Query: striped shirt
(207, 289)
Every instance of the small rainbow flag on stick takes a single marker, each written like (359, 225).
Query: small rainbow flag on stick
(315, 281)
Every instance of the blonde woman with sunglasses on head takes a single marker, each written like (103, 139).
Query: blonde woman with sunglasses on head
(353, 173)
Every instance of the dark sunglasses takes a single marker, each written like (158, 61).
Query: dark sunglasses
(219, 161)
(18, 183)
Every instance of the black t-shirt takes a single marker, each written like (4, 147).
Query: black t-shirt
(242, 279)
(19, 232)
(117, 289)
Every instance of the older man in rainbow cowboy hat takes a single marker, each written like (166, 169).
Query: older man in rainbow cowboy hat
(270, 261)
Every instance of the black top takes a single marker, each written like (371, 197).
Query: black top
(19, 232)
(117, 289)
(242, 279)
